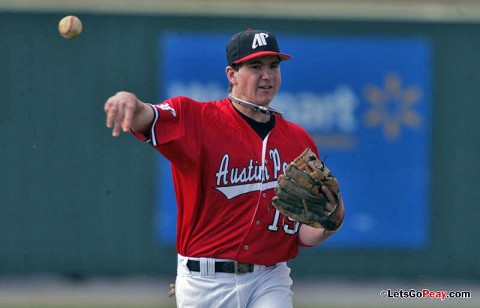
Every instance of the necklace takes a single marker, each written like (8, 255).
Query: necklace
(262, 109)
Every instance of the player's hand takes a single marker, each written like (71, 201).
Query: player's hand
(332, 202)
(314, 236)
(120, 110)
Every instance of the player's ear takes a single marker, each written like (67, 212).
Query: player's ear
(231, 75)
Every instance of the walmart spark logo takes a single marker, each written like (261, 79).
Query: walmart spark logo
(392, 106)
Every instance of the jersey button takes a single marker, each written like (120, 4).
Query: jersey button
(245, 247)
(264, 195)
(258, 222)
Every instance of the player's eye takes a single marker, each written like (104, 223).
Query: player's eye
(275, 65)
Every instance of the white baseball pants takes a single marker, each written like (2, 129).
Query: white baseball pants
(265, 287)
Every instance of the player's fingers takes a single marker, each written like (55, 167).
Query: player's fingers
(111, 110)
(106, 106)
(127, 119)
(117, 121)
(331, 199)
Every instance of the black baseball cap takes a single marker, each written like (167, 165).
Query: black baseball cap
(250, 44)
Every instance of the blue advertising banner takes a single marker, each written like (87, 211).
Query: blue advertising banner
(367, 103)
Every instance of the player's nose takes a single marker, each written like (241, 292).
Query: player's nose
(267, 74)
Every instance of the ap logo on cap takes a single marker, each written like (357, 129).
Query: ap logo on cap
(260, 39)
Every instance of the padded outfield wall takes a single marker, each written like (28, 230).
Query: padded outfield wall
(75, 200)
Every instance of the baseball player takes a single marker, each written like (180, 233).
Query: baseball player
(226, 157)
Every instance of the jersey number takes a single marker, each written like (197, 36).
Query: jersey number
(287, 227)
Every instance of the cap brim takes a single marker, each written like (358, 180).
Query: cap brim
(282, 56)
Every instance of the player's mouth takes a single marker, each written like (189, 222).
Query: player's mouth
(266, 87)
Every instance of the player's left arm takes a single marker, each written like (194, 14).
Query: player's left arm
(311, 236)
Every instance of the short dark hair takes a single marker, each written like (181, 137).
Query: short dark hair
(235, 67)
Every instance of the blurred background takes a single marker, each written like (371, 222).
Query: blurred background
(88, 220)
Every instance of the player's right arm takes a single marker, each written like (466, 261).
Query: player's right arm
(125, 111)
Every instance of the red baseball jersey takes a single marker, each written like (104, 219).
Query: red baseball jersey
(224, 177)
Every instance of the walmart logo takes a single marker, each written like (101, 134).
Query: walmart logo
(392, 106)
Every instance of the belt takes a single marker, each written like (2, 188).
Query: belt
(224, 267)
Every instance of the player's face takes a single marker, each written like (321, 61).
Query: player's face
(258, 80)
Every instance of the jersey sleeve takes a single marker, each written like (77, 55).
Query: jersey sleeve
(173, 130)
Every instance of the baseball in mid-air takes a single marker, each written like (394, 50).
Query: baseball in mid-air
(70, 27)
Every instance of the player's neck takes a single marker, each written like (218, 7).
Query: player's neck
(252, 114)
(248, 109)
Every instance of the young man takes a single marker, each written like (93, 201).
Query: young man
(226, 157)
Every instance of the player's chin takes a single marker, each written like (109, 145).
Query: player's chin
(265, 97)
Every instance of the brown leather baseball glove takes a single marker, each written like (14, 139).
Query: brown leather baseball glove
(299, 194)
